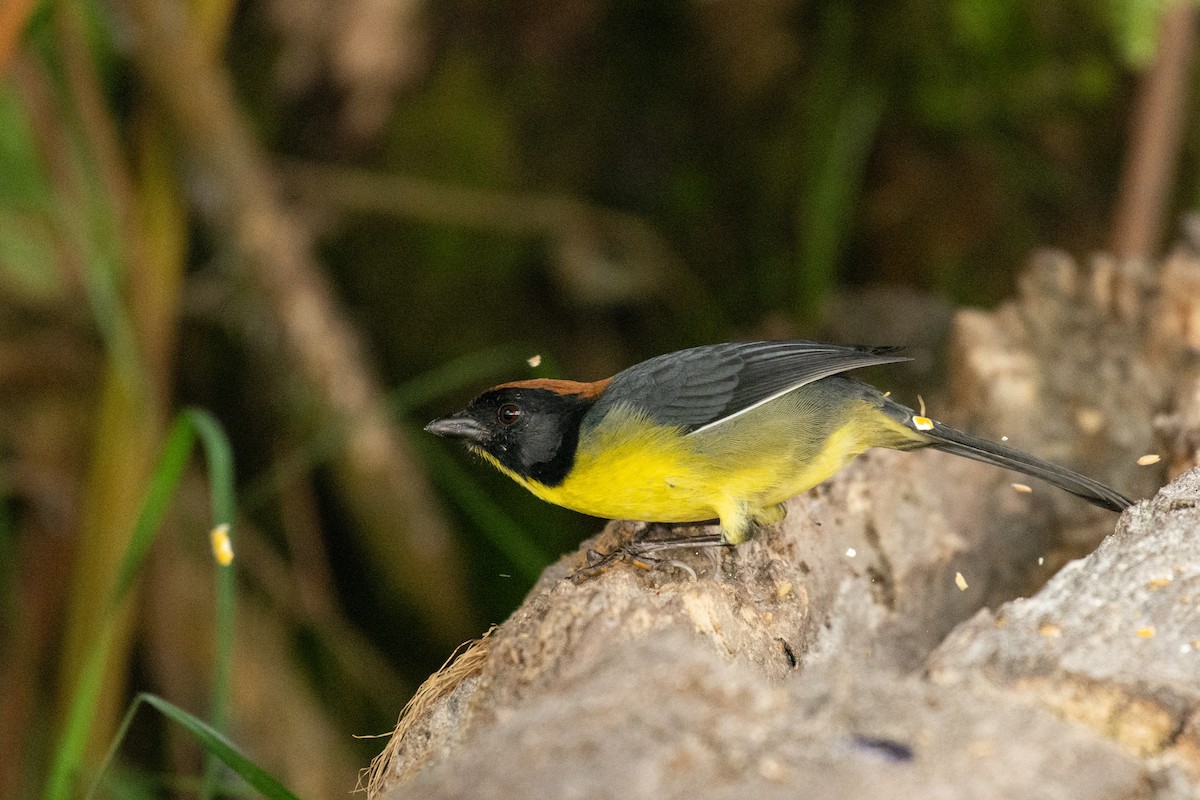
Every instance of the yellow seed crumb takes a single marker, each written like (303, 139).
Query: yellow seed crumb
(960, 581)
(980, 748)
(923, 423)
(1089, 420)
(1022, 488)
(783, 589)
(222, 546)
(772, 769)
(1146, 632)
(1158, 583)
(534, 360)
(1050, 631)
(1148, 459)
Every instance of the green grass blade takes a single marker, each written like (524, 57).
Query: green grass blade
(472, 369)
(841, 116)
(500, 529)
(69, 753)
(170, 468)
(827, 213)
(467, 370)
(217, 745)
(220, 463)
(163, 483)
(219, 456)
(214, 743)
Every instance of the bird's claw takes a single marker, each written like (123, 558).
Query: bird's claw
(638, 553)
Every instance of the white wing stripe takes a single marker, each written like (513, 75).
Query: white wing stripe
(832, 370)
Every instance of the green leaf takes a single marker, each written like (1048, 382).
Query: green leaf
(500, 529)
(214, 743)
(221, 488)
(172, 462)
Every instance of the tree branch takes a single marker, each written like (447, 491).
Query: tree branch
(388, 495)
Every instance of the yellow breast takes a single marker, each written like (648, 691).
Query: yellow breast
(631, 468)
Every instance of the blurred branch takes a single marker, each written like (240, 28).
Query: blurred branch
(28, 646)
(380, 481)
(133, 400)
(442, 204)
(13, 16)
(602, 256)
(295, 463)
(76, 141)
(1157, 132)
(305, 600)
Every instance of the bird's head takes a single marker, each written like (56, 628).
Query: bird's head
(530, 428)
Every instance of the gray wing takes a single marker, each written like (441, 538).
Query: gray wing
(702, 386)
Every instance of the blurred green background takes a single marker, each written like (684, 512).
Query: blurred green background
(592, 182)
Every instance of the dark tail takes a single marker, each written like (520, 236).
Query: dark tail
(963, 444)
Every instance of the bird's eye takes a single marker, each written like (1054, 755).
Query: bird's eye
(509, 413)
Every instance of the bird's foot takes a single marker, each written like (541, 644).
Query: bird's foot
(643, 552)
(643, 532)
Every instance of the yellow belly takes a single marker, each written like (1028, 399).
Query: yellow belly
(628, 468)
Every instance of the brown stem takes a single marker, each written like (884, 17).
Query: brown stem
(379, 479)
(584, 236)
(13, 16)
(1155, 139)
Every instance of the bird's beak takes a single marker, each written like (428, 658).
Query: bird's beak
(458, 426)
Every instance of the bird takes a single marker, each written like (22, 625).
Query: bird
(725, 432)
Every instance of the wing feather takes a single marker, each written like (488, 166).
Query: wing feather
(703, 386)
